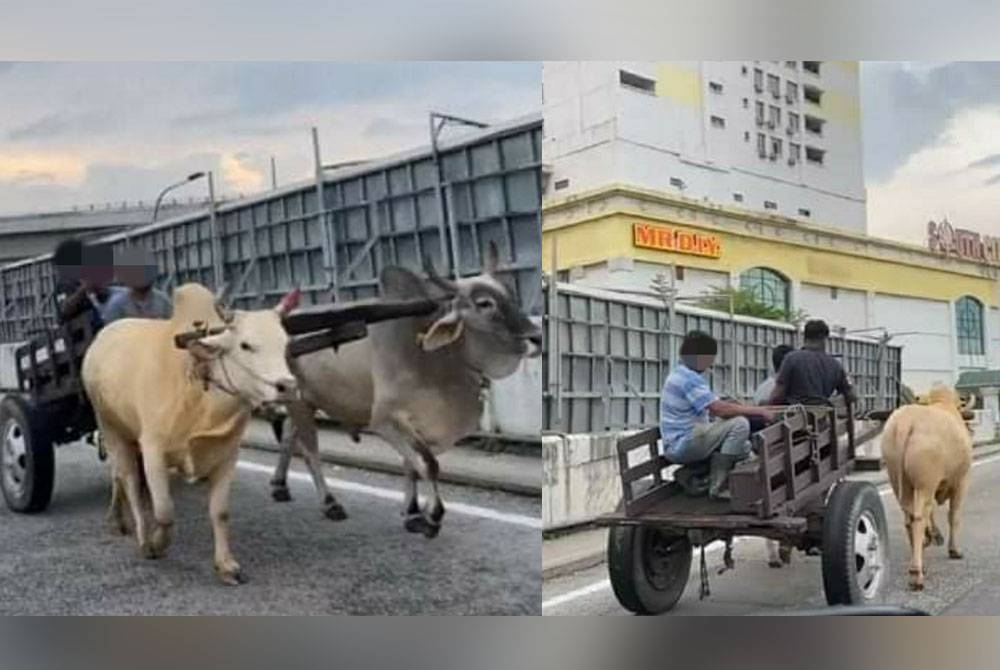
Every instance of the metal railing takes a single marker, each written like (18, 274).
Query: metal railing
(372, 215)
(607, 355)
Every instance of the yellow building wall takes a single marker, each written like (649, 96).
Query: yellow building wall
(596, 240)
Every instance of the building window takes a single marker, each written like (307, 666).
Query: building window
(834, 293)
(718, 122)
(774, 117)
(746, 103)
(738, 197)
(812, 94)
(679, 272)
(759, 112)
(775, 148)
(793, 123)
(814, 155)
(762, 145)
(770, 204)
(791, 63)
(791, 92)
(746, 136)
(561, 184)
(715, 87)
(794, 152)
(636, 81)
(811, 66)
(677, 182)
(805, 212)
(774, 85)
(814, 125)
(767, 286)
(758, 79)
(969, 321)
(743, 70)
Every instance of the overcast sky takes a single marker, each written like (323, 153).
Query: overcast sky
(931, 146)
(80, 133)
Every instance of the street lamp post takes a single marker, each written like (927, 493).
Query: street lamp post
(159, 198)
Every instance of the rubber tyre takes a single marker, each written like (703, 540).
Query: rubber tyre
(636, 587)
(853, 507)
(39, 457)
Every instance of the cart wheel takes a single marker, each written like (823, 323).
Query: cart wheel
(27, 461)
(648, 567)
(855, 545)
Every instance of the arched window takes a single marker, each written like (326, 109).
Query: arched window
(969, 323)
(767, 286)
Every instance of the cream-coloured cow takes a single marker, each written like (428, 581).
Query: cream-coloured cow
(161, 407)
(927, 451)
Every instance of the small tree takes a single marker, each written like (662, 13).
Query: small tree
(744, 302)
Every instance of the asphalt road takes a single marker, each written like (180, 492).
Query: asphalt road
(970, 586)
(64, 561)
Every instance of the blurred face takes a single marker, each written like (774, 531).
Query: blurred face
(699, 362)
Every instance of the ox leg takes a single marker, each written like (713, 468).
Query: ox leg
(954, 517)
(306, 435)
(286, 442)
(933, 534)
(917, 530)
(158, 482)
(127, 465)
(226, 568)
(419, 460)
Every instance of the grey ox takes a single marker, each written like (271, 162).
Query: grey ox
(415, 381)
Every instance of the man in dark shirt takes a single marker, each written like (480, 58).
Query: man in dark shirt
(82, 275)
(809, 376)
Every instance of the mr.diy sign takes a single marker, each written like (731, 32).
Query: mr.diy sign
(678, 240)
(971, 246)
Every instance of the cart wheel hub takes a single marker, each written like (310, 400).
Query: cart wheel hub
(868, 555)
(14, 457)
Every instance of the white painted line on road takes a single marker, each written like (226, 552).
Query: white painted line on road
(597, 587)
(397, 496)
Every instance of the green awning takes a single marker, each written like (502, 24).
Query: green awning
(976, 379)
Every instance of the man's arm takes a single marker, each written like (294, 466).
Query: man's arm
(781, 383)
(777, 395)
(73, 304)
(725, 409)
(845, 389)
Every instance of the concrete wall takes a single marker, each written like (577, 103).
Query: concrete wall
(8, 368)
(514, 404)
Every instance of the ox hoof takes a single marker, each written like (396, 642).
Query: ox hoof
(773, 563)
(281, 494)
(955, 553)
(334, 511)
(916, 586)
(150, 551)
(785, 554)
(417, 523)
(938, 538)
(230, 575)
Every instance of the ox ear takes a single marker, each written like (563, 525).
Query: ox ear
(290, 302)
(442, 332)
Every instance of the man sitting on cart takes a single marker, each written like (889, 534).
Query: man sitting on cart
(810, 376)
(685, 406)
(137, 270)
(82, 277)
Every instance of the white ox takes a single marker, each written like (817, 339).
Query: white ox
(160, 407)
(927, 451)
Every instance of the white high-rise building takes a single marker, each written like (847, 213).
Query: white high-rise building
(781, 137)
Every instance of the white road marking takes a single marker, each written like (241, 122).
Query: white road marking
(597, 587)
(397, 496)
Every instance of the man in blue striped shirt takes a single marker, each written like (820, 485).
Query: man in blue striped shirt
(685, 406)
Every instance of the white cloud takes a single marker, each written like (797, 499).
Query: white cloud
(939, 181)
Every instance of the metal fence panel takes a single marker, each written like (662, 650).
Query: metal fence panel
(614, 351)
(373, 215)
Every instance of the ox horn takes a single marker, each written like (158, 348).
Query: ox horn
(970, 403)
(492, 261)
(222, 303)
(437, 279)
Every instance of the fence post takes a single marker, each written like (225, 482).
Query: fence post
(555, 371)
(213, 224)
(326, 228)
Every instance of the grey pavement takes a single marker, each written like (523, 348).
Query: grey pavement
(968, 586)
(65, 561)
(503, 470)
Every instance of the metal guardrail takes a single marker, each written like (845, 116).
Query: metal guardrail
(374, 214)
(607, 355)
